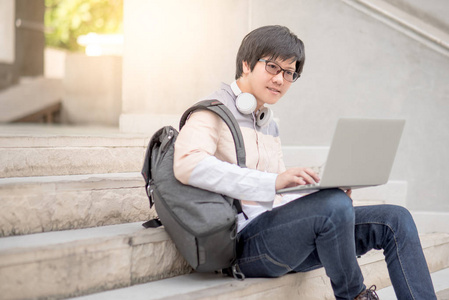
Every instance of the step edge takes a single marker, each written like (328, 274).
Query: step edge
(230, 283)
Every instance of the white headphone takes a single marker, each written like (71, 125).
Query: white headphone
(246, 104)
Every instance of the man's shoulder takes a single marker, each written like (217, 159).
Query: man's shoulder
(223, 94)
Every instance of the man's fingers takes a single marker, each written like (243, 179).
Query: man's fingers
(300, 180)
(312, 174)
(310, 177)
(307, 178)
(296, 176)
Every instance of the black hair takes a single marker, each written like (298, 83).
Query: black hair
(274, 42)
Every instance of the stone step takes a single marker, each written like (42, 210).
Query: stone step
(393, 192)
(40, 204)
(39, 150)
(310, 285)
(50, 203)
(440, 280)
(61, 264)
(28, 97)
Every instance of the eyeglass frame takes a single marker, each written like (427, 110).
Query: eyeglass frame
(280, 70)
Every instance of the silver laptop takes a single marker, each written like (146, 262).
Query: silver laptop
(361, 154)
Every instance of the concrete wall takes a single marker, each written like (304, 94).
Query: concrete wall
(21, 40)
(359, 67)
(434, 12)
(176, 52)
(30, 40)
(54, 59)
(356, 66)
(7, 40)
(93, 88)
(7, 31)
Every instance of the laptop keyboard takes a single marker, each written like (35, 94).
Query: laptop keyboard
(310, 185)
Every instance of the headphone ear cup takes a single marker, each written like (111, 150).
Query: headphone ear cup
(264, 117)
(246, 103)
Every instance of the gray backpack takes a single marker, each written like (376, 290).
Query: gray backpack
(202, 224)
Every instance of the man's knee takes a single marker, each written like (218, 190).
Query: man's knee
(400, 219)
(338, 199)
(339, 204)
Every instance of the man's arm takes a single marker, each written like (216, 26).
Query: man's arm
(196, 165)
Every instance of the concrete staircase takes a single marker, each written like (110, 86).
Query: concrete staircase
(313, 285)
(72, 206)
(50, 203)
(73, 203)
(32, 100)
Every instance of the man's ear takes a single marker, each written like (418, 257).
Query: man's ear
(246, 68)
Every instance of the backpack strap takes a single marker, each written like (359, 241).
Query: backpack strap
(226, 115)
(153, 223)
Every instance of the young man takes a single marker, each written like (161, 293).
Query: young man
(293, 233)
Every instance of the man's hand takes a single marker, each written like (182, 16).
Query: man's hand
(296, 176)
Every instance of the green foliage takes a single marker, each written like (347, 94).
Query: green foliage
(68, 19)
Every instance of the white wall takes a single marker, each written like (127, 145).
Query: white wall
(178, 51)
(92, 89)
(357, 66)
(434, 12)
(7, 31)
(54, 63)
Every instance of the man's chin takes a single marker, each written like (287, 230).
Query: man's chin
(273, 100)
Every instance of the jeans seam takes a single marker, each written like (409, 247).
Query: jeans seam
(251, 237)
(267, 257)
(339, 261)
(283, 224)
(272, 260)
(397, 252)
(277, 226)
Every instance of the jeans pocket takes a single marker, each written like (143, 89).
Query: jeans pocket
(262, 266)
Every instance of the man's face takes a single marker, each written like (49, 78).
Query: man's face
(266, 87)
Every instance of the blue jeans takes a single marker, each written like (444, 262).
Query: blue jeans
(324, 229)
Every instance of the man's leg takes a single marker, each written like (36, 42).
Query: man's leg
(392, 228)
(289, 238)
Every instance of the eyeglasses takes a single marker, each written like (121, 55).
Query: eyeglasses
(274, 69)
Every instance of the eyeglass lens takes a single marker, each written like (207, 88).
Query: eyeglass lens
(274, 69)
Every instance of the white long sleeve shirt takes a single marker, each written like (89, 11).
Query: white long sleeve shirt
(205, 157)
